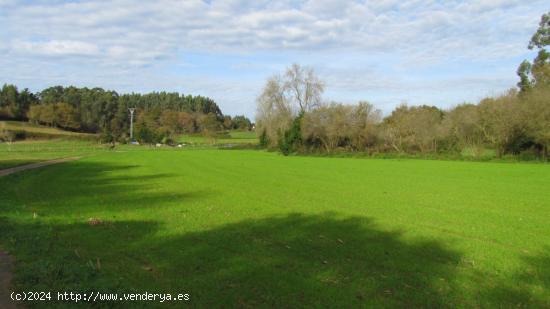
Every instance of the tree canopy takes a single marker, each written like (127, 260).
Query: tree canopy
(537, 73)
(95, 110)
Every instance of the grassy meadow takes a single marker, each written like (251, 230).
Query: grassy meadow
(26, 152)
(42, 143)
(233, 137)
(247, 228)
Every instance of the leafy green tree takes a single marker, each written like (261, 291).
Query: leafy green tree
(34, 113)
(524, 72)
(210, 126)
(66, 116)
(227, 122)
(8, 101)
(240, 122)
(96, 110)
(26, 99)
(47, 115)
(502, 124)
(4, 134)
(147, 135)
(536, 117)
(170, 124)
(291, 140)
(120, 125)
(538, 72)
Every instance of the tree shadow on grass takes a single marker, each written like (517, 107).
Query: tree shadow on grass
(301, 260)
(84, 187)
(292, 261)
(75, 257)
(528, 288)
(288, 261)
(4, 164)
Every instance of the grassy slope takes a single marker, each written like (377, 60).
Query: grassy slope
(249, 228)
(52, 143)
(41, 130)
(25, 152)
(235, 137)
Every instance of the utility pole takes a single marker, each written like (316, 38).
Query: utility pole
(131, 109)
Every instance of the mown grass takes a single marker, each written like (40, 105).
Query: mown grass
(233, 137)
(251, 228)
(30, 151)
(36, 143)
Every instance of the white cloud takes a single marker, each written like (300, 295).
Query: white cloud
(139, 38)
(169, 25)
(57, 48)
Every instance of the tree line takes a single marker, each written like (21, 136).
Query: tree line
(159, 115)
(292, 117)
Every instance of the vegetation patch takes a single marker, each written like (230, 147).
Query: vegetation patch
(254, 228)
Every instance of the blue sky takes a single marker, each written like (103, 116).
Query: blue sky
(387, 51)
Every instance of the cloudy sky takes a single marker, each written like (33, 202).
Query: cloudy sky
(438, 52)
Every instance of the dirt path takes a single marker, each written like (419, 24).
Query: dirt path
(16, 169)
(6, 267)
(6, 261)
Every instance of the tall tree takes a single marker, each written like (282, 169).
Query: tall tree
(8, 101)
(284, 98)
(304, 87)
(537, 73)
(274, 111)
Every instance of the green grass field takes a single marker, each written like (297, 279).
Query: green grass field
(234, 137)
(25, 152)
(43, 143)
(246, 228)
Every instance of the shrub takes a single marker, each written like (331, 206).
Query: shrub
(264, 141)
(292, 138)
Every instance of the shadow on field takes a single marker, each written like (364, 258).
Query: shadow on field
(302, 260)
(74, 257)
(4, 164)
(527, 288)
(292, 261)
(83, 187)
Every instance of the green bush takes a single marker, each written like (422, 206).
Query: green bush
(168, 141)
(146, 135)
(107, 137)
(264, 140)
(291, 140)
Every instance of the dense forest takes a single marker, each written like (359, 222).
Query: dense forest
(293, 118)
(159, 115)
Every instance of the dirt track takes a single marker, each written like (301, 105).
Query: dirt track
(16, 169)
(6, 267)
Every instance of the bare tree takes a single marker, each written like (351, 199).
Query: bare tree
(274, 112)
(462, 130)
(303, 87)
(364, 125)
(415, 128)
(283, 98)
(338, 125)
